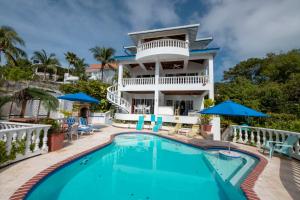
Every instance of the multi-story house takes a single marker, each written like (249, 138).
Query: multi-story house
(171, 72)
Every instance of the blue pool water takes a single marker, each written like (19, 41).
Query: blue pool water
(144, 167)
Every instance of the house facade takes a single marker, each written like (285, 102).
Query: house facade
(170, 74)
(94, 72)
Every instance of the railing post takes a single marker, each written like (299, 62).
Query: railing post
(252, 136)
(258, 144)
(45, 139)
(28, 140)
(234, 134)
(240, 135)
(37, 139)
(246, 136)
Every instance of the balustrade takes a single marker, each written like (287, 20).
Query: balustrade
(257, 136)
(163, 43)
(138, 81)
(22, 141)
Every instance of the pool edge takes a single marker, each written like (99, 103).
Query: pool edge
(247, 185)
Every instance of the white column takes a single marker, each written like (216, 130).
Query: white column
(216, 128)
(156, 91)
(211, 77)
(120, 78)
(156, 101)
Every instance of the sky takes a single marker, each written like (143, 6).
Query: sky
(241, 28)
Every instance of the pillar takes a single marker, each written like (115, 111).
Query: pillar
(156, 91)
(211, 77)
(120, 77)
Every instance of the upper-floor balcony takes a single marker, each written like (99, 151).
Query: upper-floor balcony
(164, 47)
(191, 83)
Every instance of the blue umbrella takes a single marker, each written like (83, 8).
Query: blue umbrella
(81, 97)
(232, 109)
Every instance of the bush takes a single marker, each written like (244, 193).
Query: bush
(55, 126)
(205, 119)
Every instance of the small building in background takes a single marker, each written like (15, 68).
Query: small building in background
(94, 72)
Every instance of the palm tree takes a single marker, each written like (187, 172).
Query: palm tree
(28, 94)
(80, 66)
(71, 58)
(9, 39)
(103, 55)
(45, 61)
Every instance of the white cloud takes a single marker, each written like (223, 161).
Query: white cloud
(254, 27)
(145, 13)
(77, 25)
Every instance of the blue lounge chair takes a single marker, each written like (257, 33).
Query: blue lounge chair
(140, 123)
(72, 129)
(84, 127)
(152, 118)
(281, 147)
(158, 124)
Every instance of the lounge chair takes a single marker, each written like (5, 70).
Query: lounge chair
(157, 125)
(281, 147)
(140, 123)
(84, 127)
(152, 118)
(194, 131)
(175, 129)
(72, 128)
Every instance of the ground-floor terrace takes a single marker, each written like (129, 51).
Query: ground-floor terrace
(173, 106)
(278, 180)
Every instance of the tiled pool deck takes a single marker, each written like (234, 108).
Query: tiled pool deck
(280, 178)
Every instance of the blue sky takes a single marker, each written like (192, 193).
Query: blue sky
(241, 28)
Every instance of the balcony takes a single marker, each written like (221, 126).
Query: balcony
(191, 83)
(169, 48)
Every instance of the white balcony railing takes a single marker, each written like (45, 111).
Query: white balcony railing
(22, 141)
(138, 81)
(166, 80)
(183, 80)
(258, 136)
(163, 43)
(161, 47)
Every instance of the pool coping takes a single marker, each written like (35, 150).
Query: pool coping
(247, 185)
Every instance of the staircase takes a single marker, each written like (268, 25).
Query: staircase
(112, 97)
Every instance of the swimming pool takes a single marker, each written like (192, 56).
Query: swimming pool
(146, 167)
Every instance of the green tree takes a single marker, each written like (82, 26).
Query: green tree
(95, 89)
(103, 55)
(9, 41)
(71, 58)
(22, 97)
(45, 61)
(79, 69)
(269, 84)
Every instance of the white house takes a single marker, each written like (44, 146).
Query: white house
(94, 72)
(171, 72)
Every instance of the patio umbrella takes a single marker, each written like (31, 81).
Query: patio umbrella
(231, 108)
(81, 97)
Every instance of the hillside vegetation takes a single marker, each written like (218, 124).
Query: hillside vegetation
(270, 84)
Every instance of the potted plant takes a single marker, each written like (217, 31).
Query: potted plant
(205, 122)
(56, 135)
(206, 119)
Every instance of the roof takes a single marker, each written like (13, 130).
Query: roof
(97, 67)
(191, 30)
(165, 29)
